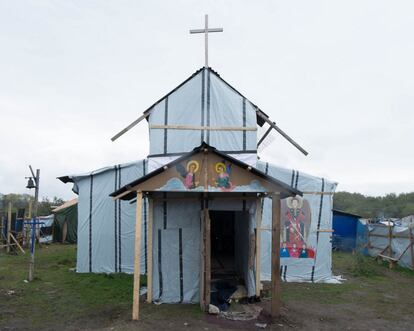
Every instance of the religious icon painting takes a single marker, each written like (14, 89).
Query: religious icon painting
(188, 173)
(295, 225)
(222, 180)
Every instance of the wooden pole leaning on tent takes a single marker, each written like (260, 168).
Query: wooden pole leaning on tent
(137, 259)
(149, 249)
(258, 244)
(275, 280)
(9, 219)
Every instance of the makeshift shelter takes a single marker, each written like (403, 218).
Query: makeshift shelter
(65, 224)
(345, 226)
(389, 242)
(181, 193)
(45, 229)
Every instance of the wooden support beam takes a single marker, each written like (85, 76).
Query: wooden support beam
(258, 244)
(275, 280)
(137, 260)
(264, 136)
(207, 258)
(274, 126)
(149, 248)
(202, 257)
(129, 127)
(9, 219)
(197, 127)
(17, 243)
(389, 240)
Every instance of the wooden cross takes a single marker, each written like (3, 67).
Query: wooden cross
(206, 31)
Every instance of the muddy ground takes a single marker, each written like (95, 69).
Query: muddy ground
(373, 297)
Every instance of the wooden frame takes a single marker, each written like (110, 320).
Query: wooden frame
(275, 280)
(137, 260)
(258, 245)
(149, 248)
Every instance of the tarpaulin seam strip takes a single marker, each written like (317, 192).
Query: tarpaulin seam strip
(119, 223)
(90, 224)
(203, 86)
(165, 123)
(313, 273)
(116, 221)
(297, 179)
(145, 223)
(293, 177)
(208, 105)
(244, 123)
(164, 209)
(180, 242)
(159, 265)
(320, 211)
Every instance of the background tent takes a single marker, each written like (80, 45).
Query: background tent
(66, 222)
(345, 226)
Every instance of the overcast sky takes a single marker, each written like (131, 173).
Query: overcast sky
(337, 76)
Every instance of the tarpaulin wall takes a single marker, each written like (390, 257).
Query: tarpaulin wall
(70, 217)
(378, 240)
(319, 194)
(105, 226)
(204, 108)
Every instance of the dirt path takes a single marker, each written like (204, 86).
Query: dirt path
(372, 298)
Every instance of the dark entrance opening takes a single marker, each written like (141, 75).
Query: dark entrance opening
(222, 245)
(229, 256)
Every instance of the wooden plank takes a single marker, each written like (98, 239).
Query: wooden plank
(264, 136)
(274, 126)
(129, 127)
(9, 216)
(149, 249)
(207, 257)
(390, 240)
(121, 195)
(198, 127)
(17, 243)
(202, 258)
(258, 244)
(275, 278)
(318, 193)
(137, 260)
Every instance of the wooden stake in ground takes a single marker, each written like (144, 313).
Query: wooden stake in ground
(137, 261)
(258, 243)
(9, 217)
(275, 304)
(149, 248)
(36, 179)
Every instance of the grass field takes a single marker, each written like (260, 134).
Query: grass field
(372, 298)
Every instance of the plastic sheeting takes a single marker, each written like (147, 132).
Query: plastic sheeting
(205, 100)
(106, 232)
(106, 227)
(377, 241)
(317, 269)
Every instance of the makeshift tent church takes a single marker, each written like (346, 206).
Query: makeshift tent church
(203, 208)
(65, 223)
(227, 121)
